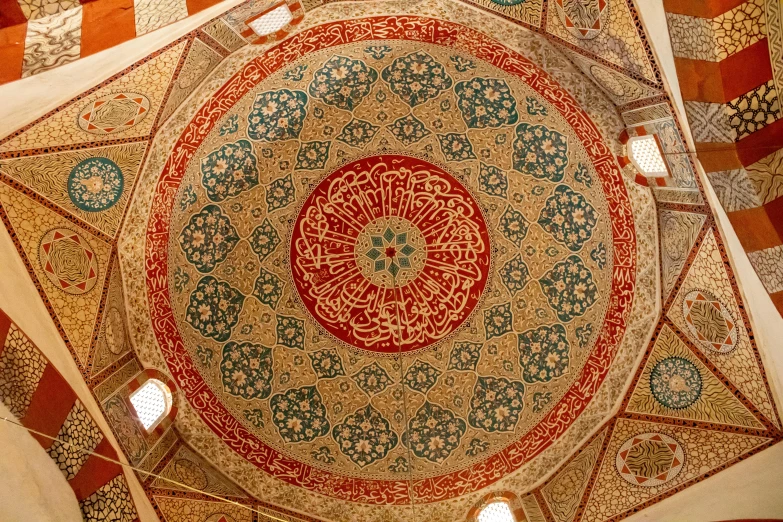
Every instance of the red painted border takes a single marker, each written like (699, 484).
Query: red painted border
(282, 467)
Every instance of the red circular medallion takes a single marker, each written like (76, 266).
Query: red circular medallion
(390, 253)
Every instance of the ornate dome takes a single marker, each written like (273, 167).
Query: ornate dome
(381, 264)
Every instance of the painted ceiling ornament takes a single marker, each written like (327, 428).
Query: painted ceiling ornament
(378, 205)
(650, 459)
(68, 261)
(95, 184)
(710, 322)
(114, 113)
(675, 382)
(584, 19)
(424, 248)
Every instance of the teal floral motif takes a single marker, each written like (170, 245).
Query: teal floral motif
(408, 129)
(582, 175)
(188, 198)
(95, 184)
(323, 454)
(246, 370)
(486, 102)
(509, 2)
(268, 288)
(456, 147)
(378, 51)
(299, 414)
(343, 82)
(497, 320)
(462, 64)
(535, 107)
(229, 171)
(402, 251)
(400, 465)
(569, 288)
(496, 404)
(277, 115)
(312, 155)
(493, 181)
(181, 279)
(290, 332)
(358, 133)
(214, 308)
(208, 238)
(295, 74)
(543, 353)
(513, 225)
(675, 382)
(568, 217)
(583, 334)
(416, 78)
(477, 446)
(421, 376)
(540, 400)
(372, 379)
(205, 355)
(598, 254)
(255, 417)
(280, 193)
(465, 356)
(434, 432)
(365, 436)
(230, 126)
(540, 152)
(264, 240)
(327, 364)
(515, 274)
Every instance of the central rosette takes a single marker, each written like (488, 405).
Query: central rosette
(390, 253)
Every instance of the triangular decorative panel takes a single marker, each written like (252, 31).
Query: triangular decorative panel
(564, 492)
(644, 460)
(706, 310)
(186, 467)
(675, 383)
(124, 108)
(113, 341)
(92, 184)
(198, 64)
(679, 231)
(69, 263)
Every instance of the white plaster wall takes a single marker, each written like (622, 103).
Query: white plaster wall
(41, 493)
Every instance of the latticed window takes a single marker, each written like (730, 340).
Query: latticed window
(152, 402)
(271, 21)
(497, 511)
(646, 156)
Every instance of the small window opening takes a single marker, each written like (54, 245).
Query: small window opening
(497, 511)
(152, 402)
(646, 156)
(271, 21)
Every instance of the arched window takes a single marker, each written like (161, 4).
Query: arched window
(496, 511)
(646, 156)
(272, 20)
(152, 402)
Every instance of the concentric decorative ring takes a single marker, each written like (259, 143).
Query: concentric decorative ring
(394, 237)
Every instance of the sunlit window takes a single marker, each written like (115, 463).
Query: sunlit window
(272, 21)
(646, 156)
(497, 511)
(152, 403)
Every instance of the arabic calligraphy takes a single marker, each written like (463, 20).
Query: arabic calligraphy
(390, 253)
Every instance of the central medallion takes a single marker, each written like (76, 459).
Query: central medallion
(390, 253)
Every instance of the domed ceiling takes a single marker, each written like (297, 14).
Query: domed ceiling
(393, 263)
(391, 259)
